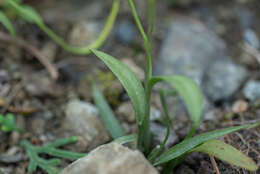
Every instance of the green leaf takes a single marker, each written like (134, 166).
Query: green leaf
(189, 92)
(8, 123)
(107, 115)
(26, 12)
(130, 82)
(188, 144)
(127, 139)
(51, 149)
(227, 153)
(7, 23)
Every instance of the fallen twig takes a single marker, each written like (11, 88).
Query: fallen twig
(214, 164)
(34, 51)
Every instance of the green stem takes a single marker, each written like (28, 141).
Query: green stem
(151, 17)
(96, 44)
(144, 129)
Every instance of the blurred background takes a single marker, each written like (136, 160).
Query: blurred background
(216, 43)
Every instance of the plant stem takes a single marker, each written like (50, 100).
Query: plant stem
(144, 129)
(151, 17)
(96, 44)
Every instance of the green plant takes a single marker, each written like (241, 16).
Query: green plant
(51, 149)
(192, 98)
(8, 123)
(30, 15)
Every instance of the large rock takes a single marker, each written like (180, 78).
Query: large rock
(82, 120)
(111, 158)
(252, 90)
(192, 50)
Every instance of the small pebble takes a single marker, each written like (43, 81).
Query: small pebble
(240, 106)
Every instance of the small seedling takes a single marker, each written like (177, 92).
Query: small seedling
(7, 123)
(49, 165)
(193, 99)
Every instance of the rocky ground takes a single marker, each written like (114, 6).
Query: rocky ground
(216, 43)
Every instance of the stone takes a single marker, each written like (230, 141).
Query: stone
(223, 79)
(82, 120)
(68, 10)
(251, 38)
(158, 133)
(111, 158)
(192, 50)
(84, 33)
(252, 90)
(126, 112)
(40, 85)
(240, 106)
(125, 32)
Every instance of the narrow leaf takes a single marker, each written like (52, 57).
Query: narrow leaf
(129, 80)
(188, 144)
(7, 23)
(107, 115)
(227, 153)
(26, 12)
(189, 92)
(127, 139)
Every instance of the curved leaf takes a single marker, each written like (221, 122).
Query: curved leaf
(129, 80)
(189, 92)
(227, 153)
(188, 144)
(7, 23)
(26, 12)
(127, 139)
(107, 115)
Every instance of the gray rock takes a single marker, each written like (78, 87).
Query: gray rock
(111, 158)
(192, 50)
(84, 33)
(251, 38)
(222, 79)
(252, 90)
(82, 120)
(68, 10)
(125, 32)
(158, 133)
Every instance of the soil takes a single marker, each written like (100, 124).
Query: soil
(37, 101)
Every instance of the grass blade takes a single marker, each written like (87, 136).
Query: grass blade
(7, 23)
(191, 143)
(227, 153)
(107, 115)
(130, 82)
(189, 92)
(26, 12)
(127, 139)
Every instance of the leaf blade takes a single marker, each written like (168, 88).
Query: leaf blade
(189, 92)
(188, 144)
(7, 23)
(129, 81)
(107, 114)
(26, 12)
(227, 153)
